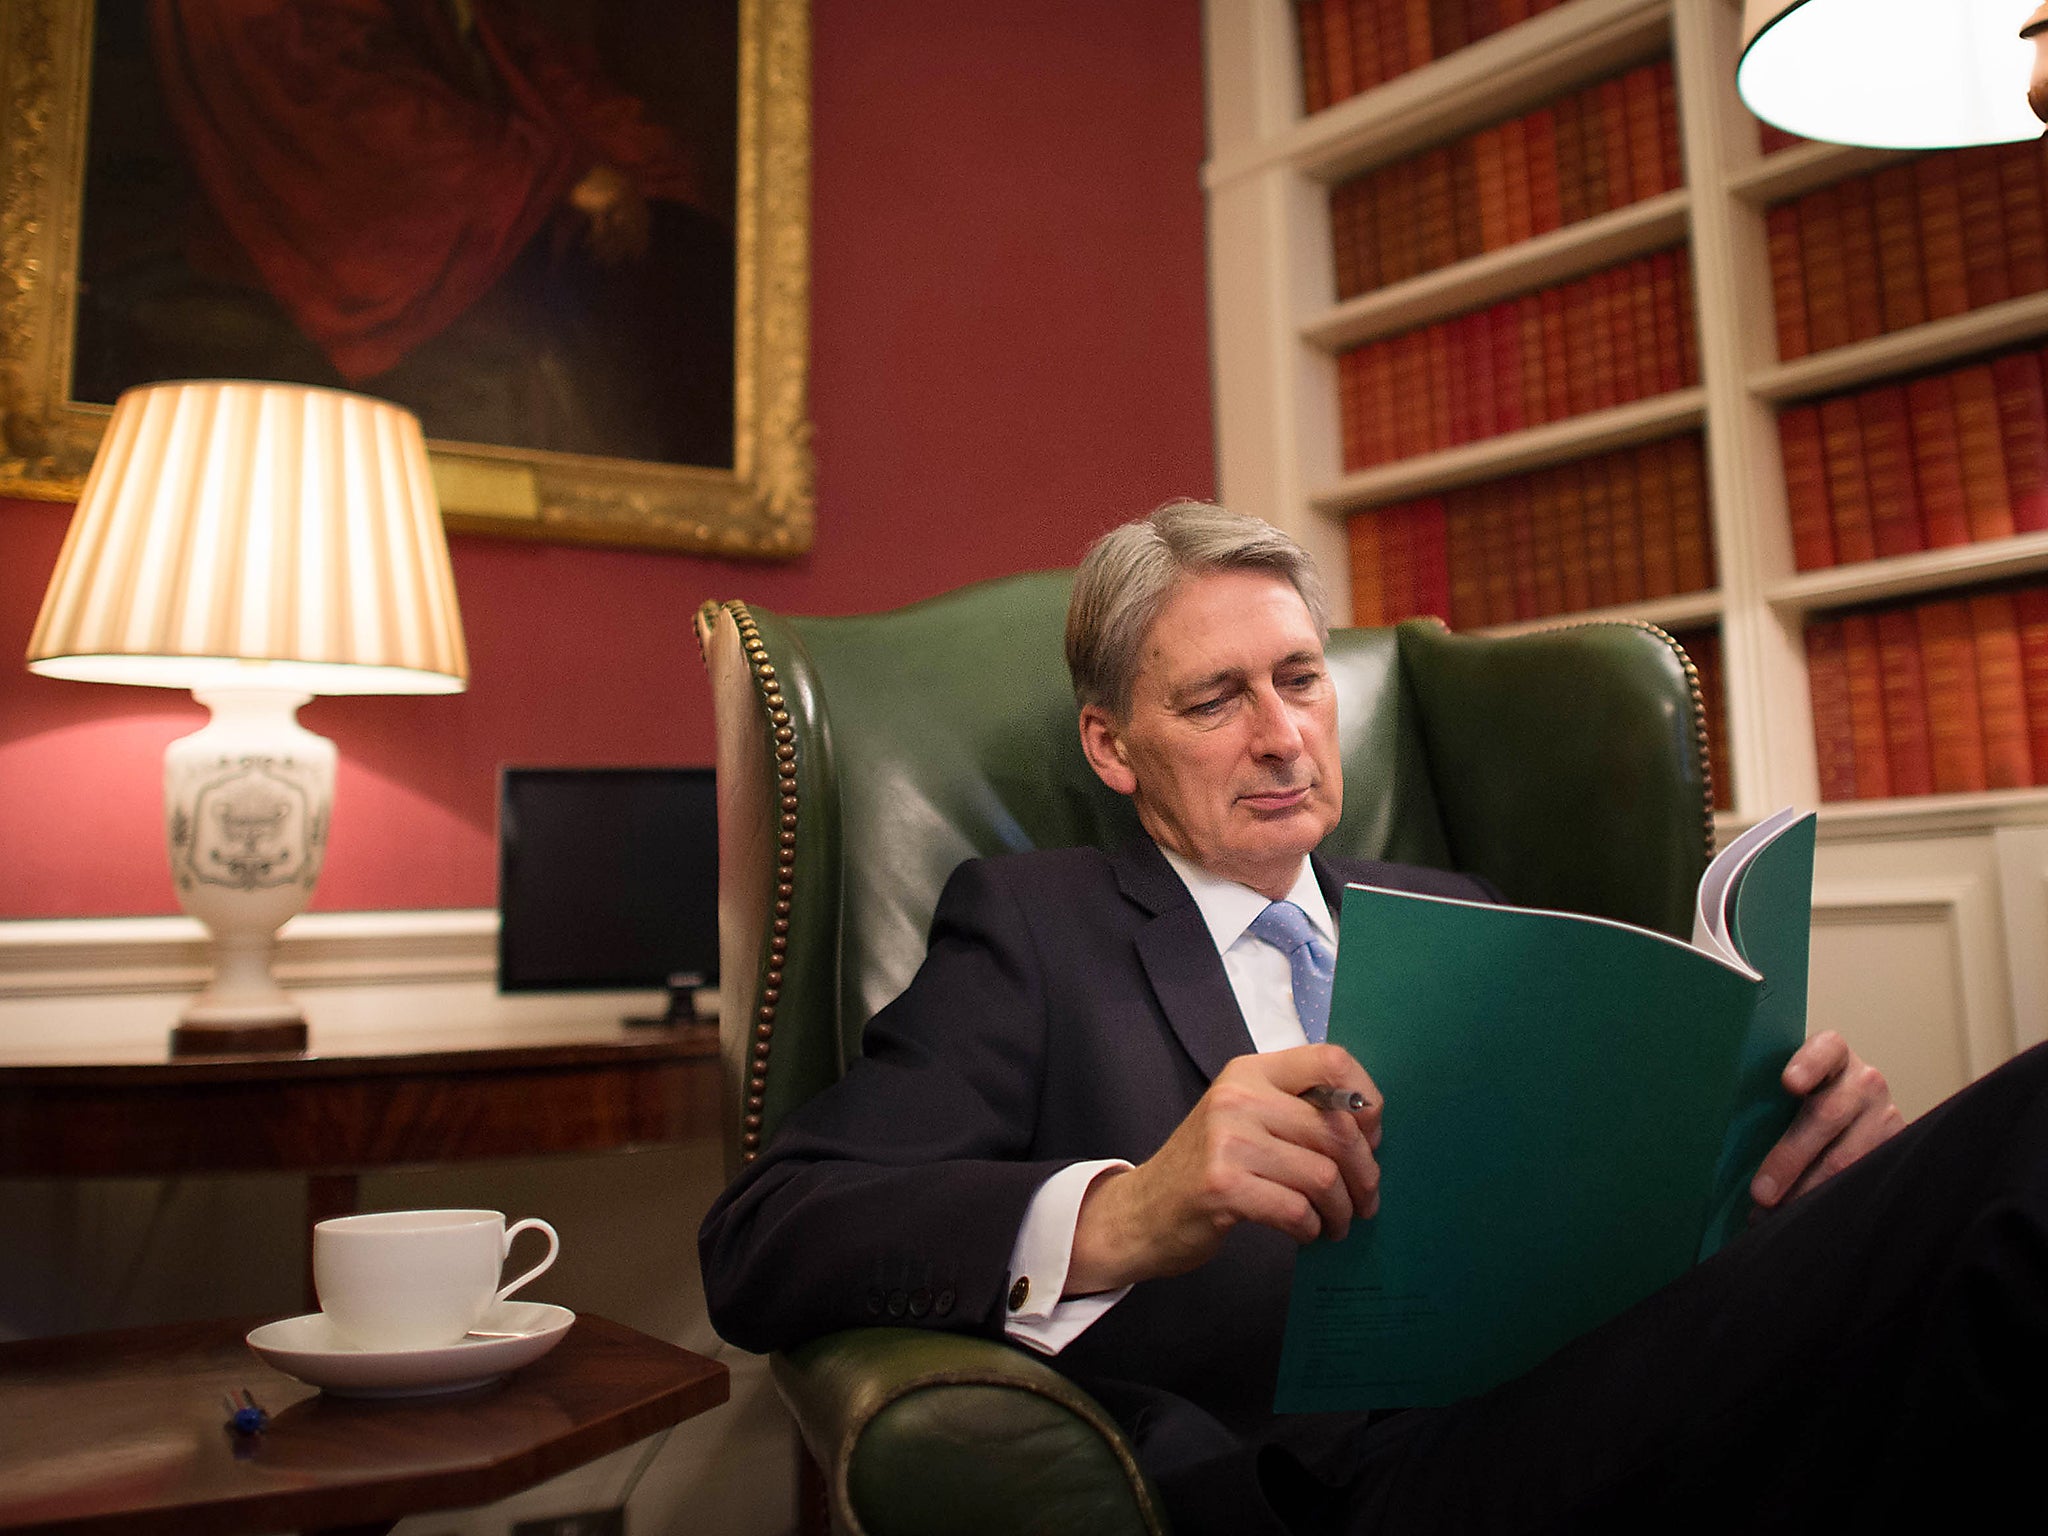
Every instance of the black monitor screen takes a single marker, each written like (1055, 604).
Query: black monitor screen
(607, 877)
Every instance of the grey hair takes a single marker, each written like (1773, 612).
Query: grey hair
(1129, 573)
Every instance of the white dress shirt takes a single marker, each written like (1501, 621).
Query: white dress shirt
(1263, 984)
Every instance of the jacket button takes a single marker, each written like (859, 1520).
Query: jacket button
(943, 1303)
(920, 1302)
(874, 1301)
(897, 1302)
(1020, 1292)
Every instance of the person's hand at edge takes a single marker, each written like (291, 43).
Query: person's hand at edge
(1250, 1150)
(1845, 1110)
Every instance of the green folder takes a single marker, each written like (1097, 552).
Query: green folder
(1574, 1108)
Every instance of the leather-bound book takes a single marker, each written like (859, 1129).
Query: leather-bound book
(1897, 208)
(1827, 682)
(2001, 691)
(1888, 469)
(1938, 461)
(2023, 431)
(1982, 440)
(1806, 487)
(1908, 755)
(1955, 729)
(1841, 438)
(1788, 281)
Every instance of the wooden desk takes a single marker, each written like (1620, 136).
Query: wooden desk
(413, 1099)
(124, 1432)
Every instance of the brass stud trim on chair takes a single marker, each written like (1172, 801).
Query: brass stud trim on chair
(773, 705)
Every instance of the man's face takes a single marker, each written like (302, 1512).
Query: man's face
(1230, 750)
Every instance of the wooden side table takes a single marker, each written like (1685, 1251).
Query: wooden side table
(423, 1097)
(122, 1433)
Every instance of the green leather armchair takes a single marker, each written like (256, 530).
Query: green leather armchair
(860, 759)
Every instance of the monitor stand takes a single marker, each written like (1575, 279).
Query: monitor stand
(682, 1003)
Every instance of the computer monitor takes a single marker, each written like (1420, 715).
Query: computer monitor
(608, 879)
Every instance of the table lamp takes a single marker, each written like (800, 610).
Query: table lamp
(1894, 74)
(257, 544)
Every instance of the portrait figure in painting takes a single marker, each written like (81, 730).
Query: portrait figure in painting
(513, 217)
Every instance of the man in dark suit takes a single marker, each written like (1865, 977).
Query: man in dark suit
(1082, 1126)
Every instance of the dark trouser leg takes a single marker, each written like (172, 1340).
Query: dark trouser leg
(1868, 1354)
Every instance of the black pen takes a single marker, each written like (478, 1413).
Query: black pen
(1323, 1096)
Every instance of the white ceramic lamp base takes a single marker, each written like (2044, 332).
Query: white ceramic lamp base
(247, 799)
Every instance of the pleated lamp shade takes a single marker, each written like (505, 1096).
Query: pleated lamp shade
(1894, 74)
(256, 535)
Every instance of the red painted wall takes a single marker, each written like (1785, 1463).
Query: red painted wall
(1009, 354)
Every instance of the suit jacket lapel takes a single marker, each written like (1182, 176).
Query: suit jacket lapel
(1180, 960)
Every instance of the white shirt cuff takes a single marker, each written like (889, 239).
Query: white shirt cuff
(1038, 1318)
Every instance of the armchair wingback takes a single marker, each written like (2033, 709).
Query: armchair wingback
(860, 759)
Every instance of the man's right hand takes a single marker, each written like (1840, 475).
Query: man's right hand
(1250, 1150)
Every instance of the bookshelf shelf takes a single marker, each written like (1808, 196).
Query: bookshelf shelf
(1555, 442)
(1789, 172)
(1491, 79)
(1901, 575)
(1924, 346)
(1651, 225)
(1685, 611)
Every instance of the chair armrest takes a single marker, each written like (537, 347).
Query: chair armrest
(930, 1434)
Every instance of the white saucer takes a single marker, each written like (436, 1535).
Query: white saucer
(308, 1348)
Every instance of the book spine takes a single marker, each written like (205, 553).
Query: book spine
(1599, 512)
(1692, 540)
(1559, 377)
(1645, 132)
(1547, 532)
(1363, 536)
(1499, 542)
(2023, 431)
(1938, 461)
(1788, 281)
(1862, 286)
(1368, 61)
(2001, 691)
(1827, 678)
(1983, 212)
(1908, 758)
(1888, 469)
(1504, 326)
(1670, 146)
(1569, 114)
(1536, 407)
(1625, 523)
(1848, 483)
(2030, 605)
(1471, 237)
(1660, 535)
(1438, 220)
(1897, 213)
(1866, 706)
(1315, 66)
(1429, 559)
(1546, 207)
(1420, 49)
(1489, 153)
(1668, 317)
(1571, 538)
(1594, 180)
(1948, 658)
(1522, 542)
(1521, 213)
(2026, 223)
(1983, 447)
(1806, 487)
(1465, 555)
(1614, 130)
(1821, 264)
(1397, 561)
(1944, 262)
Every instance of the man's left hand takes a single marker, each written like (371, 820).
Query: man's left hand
(1846, 1110)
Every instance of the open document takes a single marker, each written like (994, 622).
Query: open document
(1574, 1109)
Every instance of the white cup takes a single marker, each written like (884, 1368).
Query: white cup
(415, 1279)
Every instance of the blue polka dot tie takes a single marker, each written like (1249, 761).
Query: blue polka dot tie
(1310, 961)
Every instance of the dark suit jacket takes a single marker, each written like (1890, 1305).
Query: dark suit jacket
(1071, 1006)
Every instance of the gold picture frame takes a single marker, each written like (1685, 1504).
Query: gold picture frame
(762, 506)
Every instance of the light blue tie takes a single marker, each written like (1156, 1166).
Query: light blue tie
(1310, 961)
